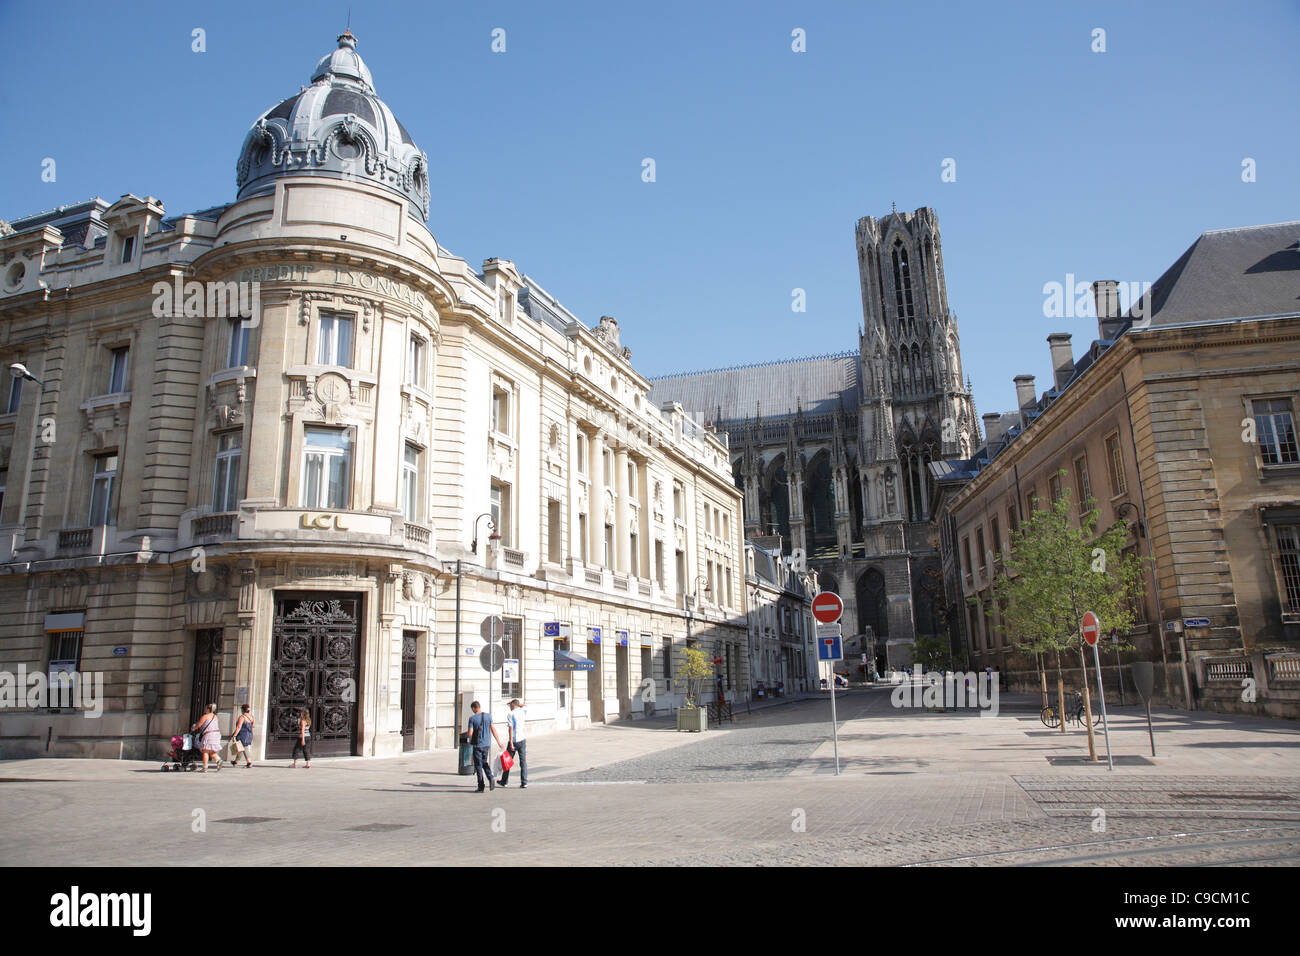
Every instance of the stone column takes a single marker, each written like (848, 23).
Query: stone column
(622, 531)
(596, 507)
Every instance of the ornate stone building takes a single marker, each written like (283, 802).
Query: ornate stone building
(292, 452)
(832, 452)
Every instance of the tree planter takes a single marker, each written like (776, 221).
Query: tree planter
(692, 718)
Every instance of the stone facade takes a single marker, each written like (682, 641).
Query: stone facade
(1180, 422)
(315, 501)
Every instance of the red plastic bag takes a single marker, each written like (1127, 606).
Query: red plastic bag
(507, 761)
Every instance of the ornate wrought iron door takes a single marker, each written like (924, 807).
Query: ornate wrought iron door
(206, 684)
(316, 666)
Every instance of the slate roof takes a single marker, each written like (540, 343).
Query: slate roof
(1231, 274)
(815, 383)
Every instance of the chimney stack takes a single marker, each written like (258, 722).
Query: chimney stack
(1062, 358)
(1105, 295)
(1025, 395)
(992, 429)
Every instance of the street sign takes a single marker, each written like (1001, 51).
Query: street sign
(829, 630)
(1196, 622)
(1090, 627)
(492, 628)
(491, 657)
(829, 649)
(510, 672)
(827, 607)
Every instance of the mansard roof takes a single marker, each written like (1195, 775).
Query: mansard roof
(818, 384)
(1237, 273)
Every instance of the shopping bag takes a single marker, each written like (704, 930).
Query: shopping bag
(507, 761)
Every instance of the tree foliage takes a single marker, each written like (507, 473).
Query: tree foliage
(695, 668)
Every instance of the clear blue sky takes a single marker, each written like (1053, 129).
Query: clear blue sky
(1104, 165)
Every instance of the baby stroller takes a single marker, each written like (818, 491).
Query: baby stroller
(185, 754)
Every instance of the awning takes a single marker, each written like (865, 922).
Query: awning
(569, 661)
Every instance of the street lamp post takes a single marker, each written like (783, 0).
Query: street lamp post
(492, 527)
(707, 589)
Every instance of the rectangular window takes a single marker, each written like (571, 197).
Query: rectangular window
(582, 454)
(500, 410)
(1054, 487)
(65, 658)
(500, 511)
(128, 248)
(101, 489)
(1082, 482)
(727, 593)
(582, 538)
(335, 346)
(1288, 552)
(609, 546)
(668, 661)
(1137, 601)
(15, 395)
(996, 533)
(633, 553)
(979, 550)
(965, 557)
(608, 468)
(1115, 465)
(411, 483)
(631, 479)
(1275, 431)
(554, 539)
(225, 486)
(647, 650)
(117, 371)
(659, 563)
(512, 643)
(678, 495)
(681, 576)
(415, 361)
(1031, 502)
(1013, 520)
(726, 528)
(326, 468)
(240, 332)
(4, 480)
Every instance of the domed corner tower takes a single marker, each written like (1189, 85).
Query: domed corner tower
(337, 128)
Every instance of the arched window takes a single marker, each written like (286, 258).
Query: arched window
(902, 283)
(873, 603)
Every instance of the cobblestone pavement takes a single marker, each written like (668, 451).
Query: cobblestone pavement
(917, 789)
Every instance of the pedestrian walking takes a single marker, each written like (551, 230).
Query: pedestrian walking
(209, 737)
(243, 736)
(480, 725)
(517, 742)
(303, 744)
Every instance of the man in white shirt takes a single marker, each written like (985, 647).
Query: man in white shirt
(517, 723)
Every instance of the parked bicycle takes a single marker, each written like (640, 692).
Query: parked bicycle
(1075, 713)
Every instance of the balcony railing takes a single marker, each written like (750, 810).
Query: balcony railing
(644, 588)
(1283, 667)
(417, 535)
(1234, 670)
(221, 524)
(513, 558)
(594, 577)
(620, 582)
(74, 538)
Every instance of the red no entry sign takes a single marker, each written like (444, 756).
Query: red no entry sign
(1090, 627)
(827, 607)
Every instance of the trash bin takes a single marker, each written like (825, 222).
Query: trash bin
(466, 766)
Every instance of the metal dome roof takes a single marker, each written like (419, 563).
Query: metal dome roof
(336, 128)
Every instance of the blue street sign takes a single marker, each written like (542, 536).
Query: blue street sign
(593, 635)
(828, 649)
(1197, 622)
(622, 638)
(551, 628)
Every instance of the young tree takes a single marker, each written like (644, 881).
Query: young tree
(1056, 571)
(695, 667)
(932, 651)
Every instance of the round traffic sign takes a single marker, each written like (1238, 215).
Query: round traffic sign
(827, 607)
(1090, 627)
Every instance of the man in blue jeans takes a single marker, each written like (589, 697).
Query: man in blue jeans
(517, 724)
(480, 723)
